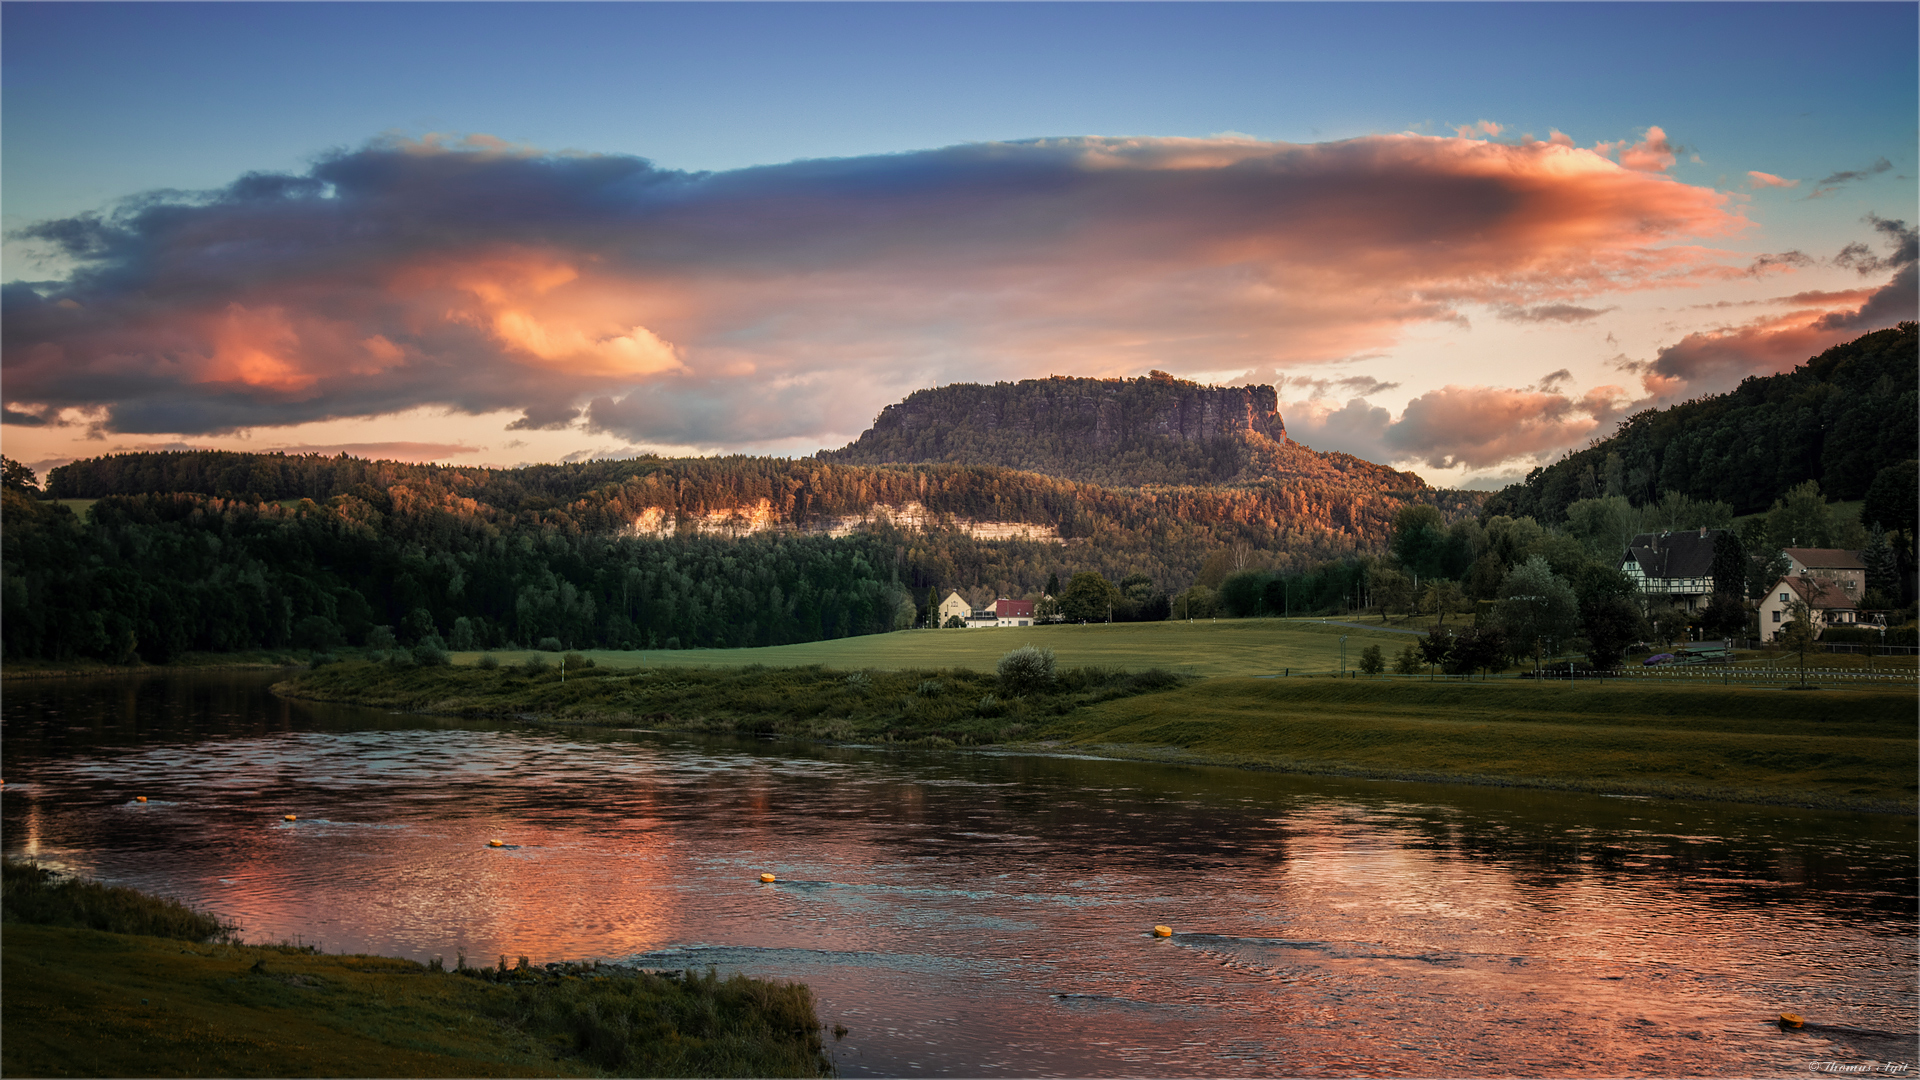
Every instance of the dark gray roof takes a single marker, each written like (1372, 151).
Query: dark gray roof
(1686, 554)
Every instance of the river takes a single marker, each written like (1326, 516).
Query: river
(986, 914)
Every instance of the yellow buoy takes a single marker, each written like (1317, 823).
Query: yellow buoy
(1163, 931)
(768, 877)
(289, 817)
(496, 843)
(1791, 1020)
(139, 798)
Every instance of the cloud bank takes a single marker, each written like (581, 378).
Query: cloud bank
(745, 306)
(786, 302)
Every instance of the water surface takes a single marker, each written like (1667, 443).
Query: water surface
(986, 915)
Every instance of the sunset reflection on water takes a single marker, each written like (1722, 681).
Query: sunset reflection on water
(989, 914)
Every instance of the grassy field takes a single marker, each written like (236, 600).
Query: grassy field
(937, 707)
(1226, 647)
(80, 1001)
(1835, 748)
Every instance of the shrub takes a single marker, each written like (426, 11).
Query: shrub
(859, 682)
(431, 652)
(320, 660)
(549, 644)
(487, 662)
(1026, 670)
(534, 664)
(574, 661)
(380, 638)
(1371, 662)
(930, 688)
(988, 705)
(400, 658)
(1408, 662)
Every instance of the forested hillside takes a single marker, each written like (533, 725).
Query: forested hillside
(1123, 433)
(1839, 419)
(219, 551)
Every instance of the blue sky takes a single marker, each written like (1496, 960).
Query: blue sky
(103, 101)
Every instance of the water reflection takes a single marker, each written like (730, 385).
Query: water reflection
(986, 914)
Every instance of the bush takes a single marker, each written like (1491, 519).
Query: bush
(930, 688)
(1371, 661)
(859, 682)
(1026, 670)
(431, 653)
(549, 644)
(1408, 662)
(574, 661)
(380, 638)
(487, 662)
(534, 664)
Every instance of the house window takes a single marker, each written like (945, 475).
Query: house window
(1783, 599)
(1776, 616)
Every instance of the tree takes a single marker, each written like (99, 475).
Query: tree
(1536, 604)
(1053, 585)
(1392, 590)
(1026, 670)
(1408, 662)
(1419, 540)
(1478, 648)
(1610, 624)
(1371, 661)
(1801, 518)
(17, 477)
(1798, 634)
(1892, 501)
(1437, 647)
(1089, 598)
(1883, 568)
(1439, 598)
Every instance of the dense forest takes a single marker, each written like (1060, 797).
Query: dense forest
(314, 552)
(1839, 420)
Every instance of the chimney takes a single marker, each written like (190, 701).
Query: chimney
(1703, 532)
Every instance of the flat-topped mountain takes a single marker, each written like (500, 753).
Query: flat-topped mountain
(1156, 430)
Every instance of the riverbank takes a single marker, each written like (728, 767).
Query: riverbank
(1851, 749)
(1835, 749)
(77, 1000)
(211, 661)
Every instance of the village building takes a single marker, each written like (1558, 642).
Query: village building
(1013, 612)
(1828, 603)
(1842, 568)
(1674, 565)
(954, 606)
(1002, 612)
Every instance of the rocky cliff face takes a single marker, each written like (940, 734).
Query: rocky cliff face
(1102, 414)
(1119, 432)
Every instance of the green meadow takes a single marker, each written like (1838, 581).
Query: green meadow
(1225, 647)
(1852, 748)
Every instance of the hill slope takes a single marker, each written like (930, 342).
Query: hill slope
(1126, 433)
(1839, 418)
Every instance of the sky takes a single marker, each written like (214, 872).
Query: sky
(1460, 239)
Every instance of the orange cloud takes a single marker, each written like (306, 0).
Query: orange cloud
(661, 306)
(1758, 179)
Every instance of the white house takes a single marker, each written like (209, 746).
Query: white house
(1829, 604)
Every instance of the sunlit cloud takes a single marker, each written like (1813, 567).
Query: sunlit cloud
(1757, 179)
(790, 301)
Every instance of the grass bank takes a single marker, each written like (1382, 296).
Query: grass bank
(940, 707)
(1226, 647)
(193, 661)
(84, 1001)
(1853, 749)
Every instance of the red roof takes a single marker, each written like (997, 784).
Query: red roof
(1826, 558)
(1821, 595)
(1013, 609)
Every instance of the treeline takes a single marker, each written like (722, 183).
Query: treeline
(1840, 419)
(153, 576)
(1166, 533)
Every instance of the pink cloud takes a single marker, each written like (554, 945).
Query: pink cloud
(1478, 426)
(1651, 154)
(478, 277)
(1757, 179)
